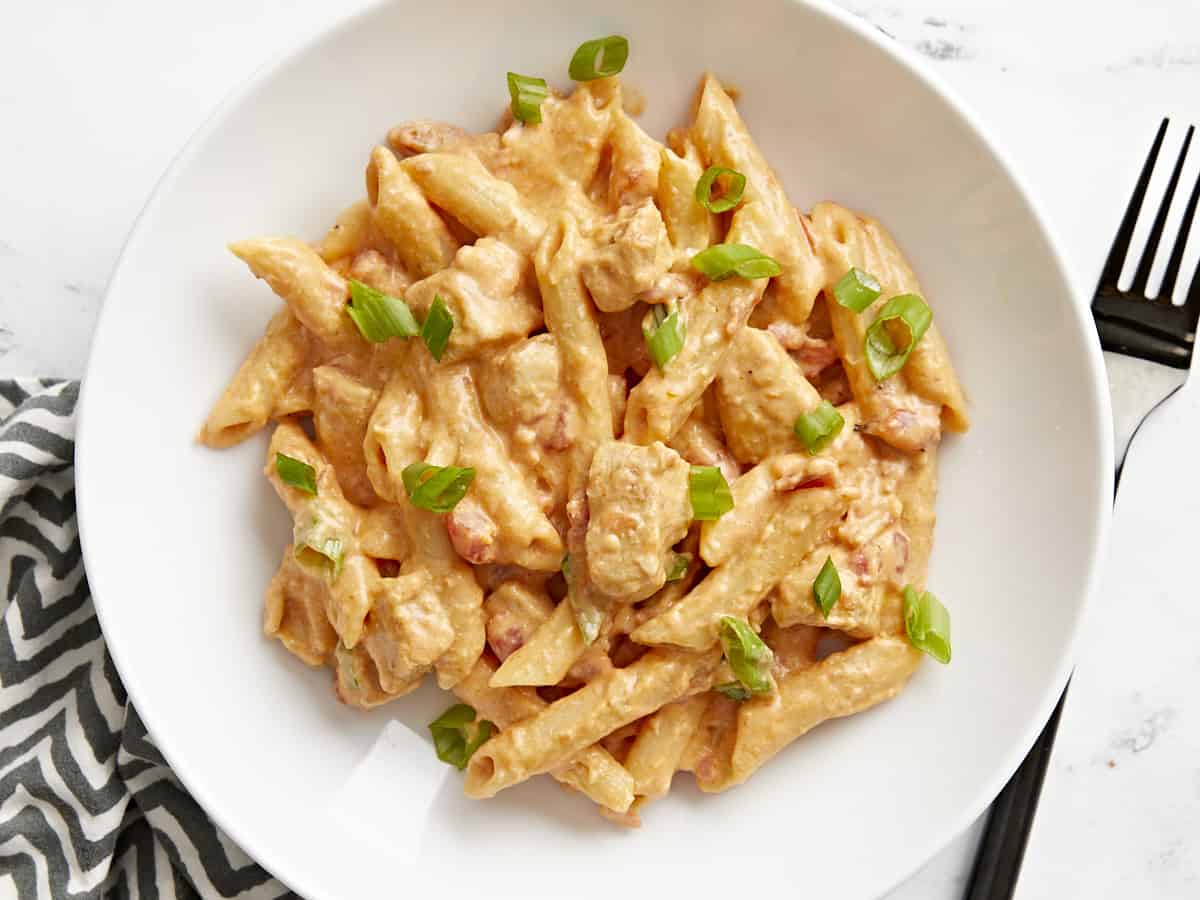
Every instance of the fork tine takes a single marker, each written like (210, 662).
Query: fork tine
(1191, 303)
(1120, 245)
(1185, 227)
(1142, 278)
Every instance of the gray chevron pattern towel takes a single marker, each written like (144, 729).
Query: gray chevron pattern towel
(88, 807)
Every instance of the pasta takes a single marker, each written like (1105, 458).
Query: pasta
(606, 436)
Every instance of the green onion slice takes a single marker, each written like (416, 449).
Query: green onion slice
(527, 94)
(589, 617)
(827, 587)
(927, 623)
(378, 316)
(817, 429)
(601, 58)
(884, 358)
(857, 290)
(317, 538)
(296, 473)
(733, 690)
(721, 261)
(456, 735)
(727, 201)
(436, 330)
(436, 488)
(748, 656)
(679, 566)
(665, 337)
(710, 494)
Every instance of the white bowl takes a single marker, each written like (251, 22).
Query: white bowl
(180, 541)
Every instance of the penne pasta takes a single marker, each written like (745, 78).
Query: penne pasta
(593, 771)
(567, 726)
(723, 140)
(737, 587)
(501, 381)
(259, 390)
(908, 409)
(314, 292)
(842, 684)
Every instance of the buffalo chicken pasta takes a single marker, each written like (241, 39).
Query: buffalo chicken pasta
(626, 451)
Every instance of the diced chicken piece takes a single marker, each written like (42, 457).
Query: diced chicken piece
(522, 394)
(521, 388)
(857, 609)
(514, 611)
(631, 254)
(490, 295)
(408, 629)
(760, 394)
(639, 508)
(424, 136)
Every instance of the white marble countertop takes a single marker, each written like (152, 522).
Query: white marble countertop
(97, 97)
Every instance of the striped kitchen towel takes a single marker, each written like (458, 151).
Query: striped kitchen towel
(88, 807)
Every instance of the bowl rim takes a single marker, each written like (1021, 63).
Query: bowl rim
(839, 17)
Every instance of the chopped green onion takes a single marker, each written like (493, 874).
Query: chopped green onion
(436, 488)
(378, 316)
(588, 616)
(857, 290)
(733, 690)
(827, 587)
(436, 330)
(679, 566)
(527, 94)
(296, 473)
(665, 339)
(748, 656)
(721, 261)
(600, 58)
(456, 735)
(317, 532)
(727, 201)
(884, 359)
(927, 623)
(709, 492)
(817, 429)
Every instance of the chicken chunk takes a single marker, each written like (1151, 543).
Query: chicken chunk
(639, 508)
(631, 254)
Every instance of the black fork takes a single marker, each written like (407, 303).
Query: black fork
(1129, 323)
(1148, 346)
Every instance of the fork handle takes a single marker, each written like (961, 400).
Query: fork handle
(1002, 848)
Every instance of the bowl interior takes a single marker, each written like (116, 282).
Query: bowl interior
(180, 541)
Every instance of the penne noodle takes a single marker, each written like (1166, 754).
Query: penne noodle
(315, 293)
(593, 771)
(543, 559)
(259, 390)
(567, 726)
(842, 684)
(737, 587)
